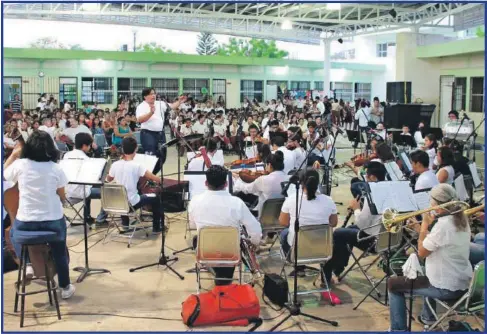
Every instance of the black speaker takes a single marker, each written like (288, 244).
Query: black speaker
(399, 92)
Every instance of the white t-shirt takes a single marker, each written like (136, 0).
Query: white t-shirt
(315, 212)
(418, 138)
(448, 266)
(289, 159)
(156, 121)
(128, 173)
(321, 107)
(67, 107)
(72, 132)
(426, 180)
(38, 183)
(451, 174)
(6, 185)
(362, 116)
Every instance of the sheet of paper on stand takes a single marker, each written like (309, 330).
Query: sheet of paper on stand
(149, 161)
(475, 175)
(460, 188)
(422, 199)
(405, 159)
(394, 171)
(87, 171)
(396, 195)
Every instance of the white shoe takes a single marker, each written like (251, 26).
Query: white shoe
(68, 291)
(29, 272)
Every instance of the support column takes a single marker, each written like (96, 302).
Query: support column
(327, 65)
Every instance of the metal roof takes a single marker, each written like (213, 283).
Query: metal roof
(311, 22)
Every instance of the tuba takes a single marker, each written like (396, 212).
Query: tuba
(393, 221)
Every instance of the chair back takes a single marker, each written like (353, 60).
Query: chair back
(269, 216)
(114, 199)
(61, 146)
(100, 140)
(137, 137)
(476, 299)
(315, 244)
(385, 244)
(218, 246)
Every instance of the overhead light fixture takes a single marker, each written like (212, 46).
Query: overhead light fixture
(340, 41)
(286, 25)
(393, 13)
(334, 6)
(91, 6)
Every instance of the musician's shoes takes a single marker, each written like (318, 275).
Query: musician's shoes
(103, 223)
(156, 230)
(89, 220)
(331, 297)
(29, 272)
(68, 291)
(425, 322)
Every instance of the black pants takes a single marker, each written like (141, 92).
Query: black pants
(150, 141)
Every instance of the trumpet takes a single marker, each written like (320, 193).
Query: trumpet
(392, 220)
(474, 210)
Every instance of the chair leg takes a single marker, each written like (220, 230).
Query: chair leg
(355, 259)
(198, 279)
(448, 312)
(110, 224)
(17, 285)
(49, 278)
(240, 273)
(371, 282)
(22, 297)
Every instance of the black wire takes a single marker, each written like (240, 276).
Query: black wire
(93, 314)
(82, 239)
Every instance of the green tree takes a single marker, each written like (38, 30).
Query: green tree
(480, 32)
(255, 48)
(47, 43)
(153, 47)
(207, 44)
(76, 47)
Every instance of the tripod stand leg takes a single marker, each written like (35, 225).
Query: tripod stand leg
(333, 323)
(280, 323)
(370, 293)
(181, 277)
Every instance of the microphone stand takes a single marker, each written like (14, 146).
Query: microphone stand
(326, 172)
(458, 130)
(294, 307)
(474, 135)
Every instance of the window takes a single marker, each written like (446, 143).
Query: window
(281, 86)
(363, 91)
(252, 90)
(300, 85)
(382, 49)
(99, 90)
(198, 88)
(68, 90)
(219, 89)
(168, 88)
(460, 94)
(129, 87)
(11, 86)
(319, 85)
(343, 90)
(477, 94)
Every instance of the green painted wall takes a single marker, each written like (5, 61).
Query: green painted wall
(454, 48)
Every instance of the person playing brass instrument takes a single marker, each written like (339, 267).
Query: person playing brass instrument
(446, 253)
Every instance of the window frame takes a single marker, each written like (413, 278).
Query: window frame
(462, 94)
(254, 92)
(62, 92)
(133, 89)
(299, 85)
(166, 91)
(380, 52)
(20, 90)
(481, 94)
(216, 95)
(196, 91)
(94, 92)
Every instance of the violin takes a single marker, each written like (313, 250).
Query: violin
(249, 176)
(361, 159)
(238, 163)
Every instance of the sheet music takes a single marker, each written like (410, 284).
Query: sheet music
(394, 195)
(148, 161)
(422, 199)
(394, 171)
(460, 188)
(87, 171)
(406, 160)
(251, 152)
(475, 175)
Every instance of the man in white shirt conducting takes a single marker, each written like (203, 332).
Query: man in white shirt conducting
(82, 145)
(366, 224)
(217, 207)
(150, 115)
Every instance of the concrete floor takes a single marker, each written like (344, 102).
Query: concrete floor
(150, 299)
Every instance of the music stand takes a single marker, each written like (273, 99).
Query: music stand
(437, 132)
(85, 172)
(403, 140)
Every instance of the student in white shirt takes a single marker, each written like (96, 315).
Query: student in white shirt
(82, 145)
(277, 144)
(150, 115)
(74, 129)
(381, 131)
(446, 173)
(420, 163)
(314, 209)
(366, 224)
(217, 207)
(127, 172)
(215, 157)
(430, 146)
(362, 116)
(446, 252)
(320, 105)
(418, 135)
(41, 185)
(200, 126)
(266, 186)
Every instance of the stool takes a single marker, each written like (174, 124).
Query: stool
(31, 238)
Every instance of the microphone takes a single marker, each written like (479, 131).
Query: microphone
(340, 131)
(465, 116)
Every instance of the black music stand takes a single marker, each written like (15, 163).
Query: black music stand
(163, 259)
(437, 132)
(352, 137)
(86, 270)
(403, 140)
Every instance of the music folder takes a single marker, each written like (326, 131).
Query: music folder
(396, 195)
(146, 160)
(84, 171)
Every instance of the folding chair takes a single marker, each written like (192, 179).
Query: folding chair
(101, 141)
(218, 247)
(137, 138)
(387, 246)
(70, 204)
(115, 203)
(315, 246)
(269, 217)
(61, 146)
(470, 304)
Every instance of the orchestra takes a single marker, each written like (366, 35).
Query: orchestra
(247, 155)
